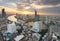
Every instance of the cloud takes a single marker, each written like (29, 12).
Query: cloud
(50, 2)
(55, 10)
(12, 5)
(11, 1)
(29, 5)
(38, 4)
(0, 0)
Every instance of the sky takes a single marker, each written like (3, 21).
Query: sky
(44, 7)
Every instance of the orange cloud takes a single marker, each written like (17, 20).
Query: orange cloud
(15, 11)
(24, 12)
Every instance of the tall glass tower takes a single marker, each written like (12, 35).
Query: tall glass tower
(3, 13)
(36, 16)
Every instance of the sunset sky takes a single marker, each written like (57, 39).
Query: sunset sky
(44, 7)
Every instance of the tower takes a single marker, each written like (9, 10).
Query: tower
(36, 16)
(3, 13)
(35, 13)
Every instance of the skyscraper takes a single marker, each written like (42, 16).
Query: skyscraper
(36, 16)
(35, 13)
(3, 13)
(1, 36)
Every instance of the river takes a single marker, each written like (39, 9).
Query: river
(12, 18)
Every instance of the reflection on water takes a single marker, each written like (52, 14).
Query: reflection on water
(12, 18)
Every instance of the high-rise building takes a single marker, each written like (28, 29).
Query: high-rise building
(1, 36)
(36, 16)
(11, 28)
(3, 13)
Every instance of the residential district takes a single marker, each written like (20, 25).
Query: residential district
(29, 28)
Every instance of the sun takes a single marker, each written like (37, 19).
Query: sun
(25, 12)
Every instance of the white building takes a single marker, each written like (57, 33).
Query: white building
(48, 19)
(18, 38)
(11, 28)
(36, 36)
(38, 26)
